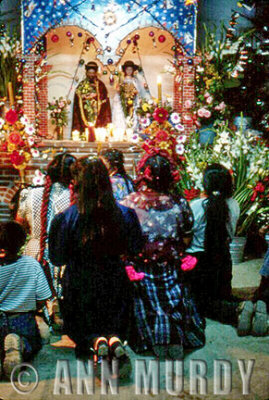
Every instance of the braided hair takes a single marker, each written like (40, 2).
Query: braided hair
(156, 173)
(115, 159)
(58, 170)
(217, 182)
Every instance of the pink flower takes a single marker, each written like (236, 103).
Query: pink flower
(180, 149)
(133, 275)
(188, 263)
(207, 113)
(221, 106)
(206, 94)
(209, 99)
(201, 112)
(181, 139)
(62, 104)
(188, 104)
(31, 141)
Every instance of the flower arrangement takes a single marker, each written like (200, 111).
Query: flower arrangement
(217, 72)
(10, 48)
(58, 111)
(17, 136)
(247, 158)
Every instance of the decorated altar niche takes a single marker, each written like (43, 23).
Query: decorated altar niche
(61, 37)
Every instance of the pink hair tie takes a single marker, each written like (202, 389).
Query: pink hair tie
(133, 275)
(188, 263)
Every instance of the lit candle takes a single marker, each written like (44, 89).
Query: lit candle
(76, 135)
(159, 86)
(10, 93)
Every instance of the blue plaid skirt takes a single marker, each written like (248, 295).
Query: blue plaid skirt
(165, 312)
(24, 325)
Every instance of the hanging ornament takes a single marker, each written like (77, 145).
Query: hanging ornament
(128, 41)
(154, 42)
(121, 51)
(80, 34)
(90, 40)
(136, 36)
(93, 7)
(162, 38)
(151, 33)
(104, 72)
(111, 79)
(108, 49)
(110, 61)
(81, 62)
(55, 38)
(68, 34)
(190, 61)
(116, 73)
(109, 18)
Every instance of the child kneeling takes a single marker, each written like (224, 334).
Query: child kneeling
(23, 289)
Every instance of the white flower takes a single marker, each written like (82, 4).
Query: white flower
(30, 130)
(181, 139)
(31, 141)
(39, 178)
(2, 122)
(135, 139)
(217, 148)
(180, 127)
(145, 122)
(175, 118)
(180, 149)
(35, 153)
(24, 120)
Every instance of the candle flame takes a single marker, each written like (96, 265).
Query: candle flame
(159, 79)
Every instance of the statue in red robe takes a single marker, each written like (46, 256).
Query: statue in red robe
(91, 102)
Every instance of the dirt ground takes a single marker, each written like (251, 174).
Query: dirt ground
(222, 344)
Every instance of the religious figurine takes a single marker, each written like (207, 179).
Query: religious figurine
(91, 103)
(126, 101)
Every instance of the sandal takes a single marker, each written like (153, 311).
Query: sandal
(13, 353)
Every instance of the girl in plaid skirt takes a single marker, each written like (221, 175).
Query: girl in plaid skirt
(165, 315)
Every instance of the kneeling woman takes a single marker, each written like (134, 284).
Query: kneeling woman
(89, 238)
(166, 316)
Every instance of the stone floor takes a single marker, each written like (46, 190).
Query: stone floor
(222, 344)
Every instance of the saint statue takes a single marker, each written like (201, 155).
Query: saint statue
(91, 102)
(126, 101)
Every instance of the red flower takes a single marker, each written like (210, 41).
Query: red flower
(176, 175)
(11, 117)
(16, 158)
(4, 147)
(259, 188)
(160, 115)
(14, 138)
(147, 146)
(162, 135)
(191, 194)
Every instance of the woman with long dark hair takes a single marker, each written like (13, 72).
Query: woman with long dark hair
(39, 205)
(215, 219)
(166, 317)
(89, 238)
(122, 183)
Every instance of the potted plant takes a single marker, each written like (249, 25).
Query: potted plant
(58, 113)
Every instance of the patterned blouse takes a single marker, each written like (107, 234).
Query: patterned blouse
(164, 223)
(121, 189)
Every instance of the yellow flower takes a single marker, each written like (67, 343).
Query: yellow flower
(27, 156)
(130, 102)
(145, 107)
(11, 147)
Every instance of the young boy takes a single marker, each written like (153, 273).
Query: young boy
(23, 289)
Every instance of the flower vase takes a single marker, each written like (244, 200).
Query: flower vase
(59, 130)
(237, 247)
(206, 134)
(242, 122)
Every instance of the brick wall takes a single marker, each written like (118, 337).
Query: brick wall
(184, 89)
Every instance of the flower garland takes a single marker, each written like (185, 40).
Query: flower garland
(17, 137)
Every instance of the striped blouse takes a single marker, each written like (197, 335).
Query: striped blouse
(22, 284)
